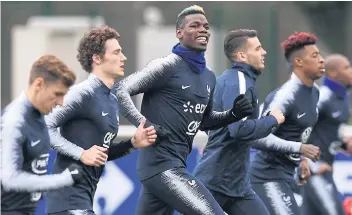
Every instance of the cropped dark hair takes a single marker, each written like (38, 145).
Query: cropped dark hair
(51, 69)
(235, 39)
(195, 9)
(296, 42)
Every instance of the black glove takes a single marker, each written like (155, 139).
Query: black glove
(250, 95)
(77, 172)
(242, 106)
(160, 131)
(344, 146)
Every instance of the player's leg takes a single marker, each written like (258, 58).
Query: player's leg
(247, 205)
(74, 212)
(311, 204)
(183, 192)
(325, 195)
(221, 199)
(278, 197)
(148, 203)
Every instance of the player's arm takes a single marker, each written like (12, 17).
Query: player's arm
(282, 100)
(143, 137)
(274, 143)
(323, 110)
(249, 129)
(236, 108)
(152, 77)
(120, 149)
(75, 102)
(279, 100)
(13, 177)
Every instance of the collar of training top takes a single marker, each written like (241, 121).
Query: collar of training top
(247, 69)
(98, 83)
(335, 86)
(34, 111)
(195, 60)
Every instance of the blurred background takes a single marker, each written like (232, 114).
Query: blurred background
(147, 29)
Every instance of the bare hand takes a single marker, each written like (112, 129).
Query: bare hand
(95, 156)
(310, 151)
(280, 118)
(324, 167)
(348, 141)
(144, 137)
(304, 172)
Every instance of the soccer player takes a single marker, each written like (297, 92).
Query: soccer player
(272, 173)
(25, 141)
(89, 120)
(320, 193)
(178, 92)
(223, 168)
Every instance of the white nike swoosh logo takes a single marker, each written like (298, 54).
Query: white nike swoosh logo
(300, 115)
(336, 114)
(185, 87)
(33, 143)
(104, 114)
(74, 172)
(192, 183)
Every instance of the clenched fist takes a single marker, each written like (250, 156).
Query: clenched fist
(95, 156)
(310, 151)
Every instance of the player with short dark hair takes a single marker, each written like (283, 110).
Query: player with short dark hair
(25, 141)
(178, 91)
(83, 129)
(223, 168)
(320, 194)
(272, 173)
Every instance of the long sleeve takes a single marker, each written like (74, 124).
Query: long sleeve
(213, 120)
(239, 129)
(274, 143)
(249, 129)
(152, 77)
(73, 107)
(214, 117)
(252, 129)
(13, 177)
(120, 149)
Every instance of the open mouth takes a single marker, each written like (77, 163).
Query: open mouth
(202, 39)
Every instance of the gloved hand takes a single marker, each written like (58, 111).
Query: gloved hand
(77, 172)
(242, 106)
